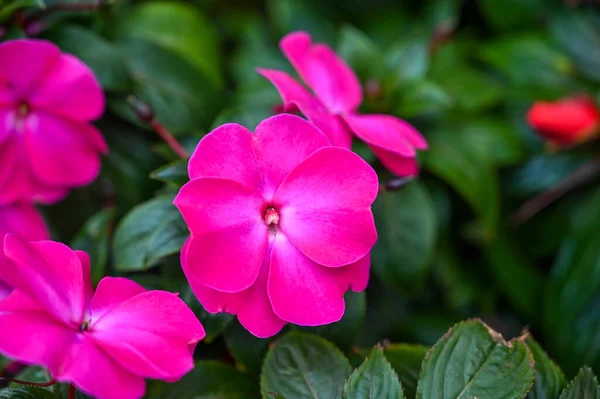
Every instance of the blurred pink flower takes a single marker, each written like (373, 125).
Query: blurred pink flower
(281, 224)
(47, 145)
(337, 96)
(106, 342)
(23, 220)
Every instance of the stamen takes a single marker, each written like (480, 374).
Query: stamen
(271, 217)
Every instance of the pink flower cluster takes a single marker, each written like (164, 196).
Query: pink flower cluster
(280, 219)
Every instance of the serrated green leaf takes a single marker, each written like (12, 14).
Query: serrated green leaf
(374, 379)
(583, 386)
(304, 366)
(473, 361)
(549, 379)
(102, 56)
(208, 380)
(148, 233)
(178, 27)
(406, 360)
(93, 238)
(407, 234)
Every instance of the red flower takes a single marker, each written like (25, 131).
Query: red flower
(565, 122)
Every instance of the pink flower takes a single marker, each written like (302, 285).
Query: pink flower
(106, 342)
(23, 220)
(281, 224)
(47, 145)
(338, 95)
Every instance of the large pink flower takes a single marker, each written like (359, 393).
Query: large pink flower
(47, 144)
(281, 224)
(337, 96)
(106, 342)
(23, 220)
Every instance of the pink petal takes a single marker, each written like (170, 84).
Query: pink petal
(95, 373)
(49, 273)
(33, 336)
(334, 83)
(110, 292)
(283, 142)
(62, 153)
(25, 62)
(227, 152)
(70, 89)
(301, 291)
(397, 164)
(386, 132)
(24, 220)
(229, 235)
(293, 94)
(325, 207)
(357, 273)
(21, 219)
(17, 182)
(86, 272)
(132, 331)
(252, 305)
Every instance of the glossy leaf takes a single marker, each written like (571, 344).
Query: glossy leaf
(304, 366)
(27, 393)
(407, 233)
(406, 360)
(583, 386)
(549, 379)
(148, 233)
(374, 379)
(472, 360)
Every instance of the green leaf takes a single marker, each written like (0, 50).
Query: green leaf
(511, 14)
(247, 350)
(304, 366)
(94, 238)
(407, 232)
(27, 393)
(6, 10)
(343, 333)
(473, 361)
(174, 173)
(178, 27)
(214, 324)
(363, 56)
(578, 32)
(549, 379)
(583, 386)
(406, 360)
(148, 233)
(374, 379)
(407, 60)
(208, 380)
(466, 167)
(183, 99)
(423, 97)
(305, 15)
(520, 281)
(102, 56)
(573, 291)
(531, 64)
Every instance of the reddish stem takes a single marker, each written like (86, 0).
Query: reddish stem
(169, 139)
(145, 113)
(71, 391)
(35, 384)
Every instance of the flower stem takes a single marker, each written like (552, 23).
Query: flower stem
(34, 384)
(71, 391)
(395, 184)
(146, 114)
(579, 177)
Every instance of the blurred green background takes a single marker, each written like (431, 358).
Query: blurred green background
(452, 243)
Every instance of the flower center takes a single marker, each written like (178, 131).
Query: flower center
(23, 110)
(271, 217)
(84, 326)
